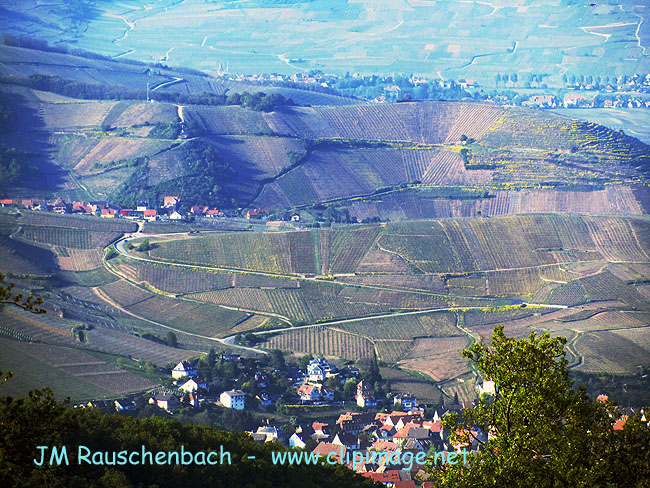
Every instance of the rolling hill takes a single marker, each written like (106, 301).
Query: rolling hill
(375, 160)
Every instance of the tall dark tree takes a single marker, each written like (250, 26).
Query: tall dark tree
(171, 339)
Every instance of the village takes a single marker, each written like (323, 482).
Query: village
(379, 434)
(170, 210)
(394, 426)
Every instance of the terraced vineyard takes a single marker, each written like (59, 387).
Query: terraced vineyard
(321, 340)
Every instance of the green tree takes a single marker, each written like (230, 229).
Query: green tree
(304, 361)
(277, 359)
(373, 375)
(349, 388)
(171, 339)
(542, 432)
(143, 246)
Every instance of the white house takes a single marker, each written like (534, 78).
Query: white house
(319, 369)
(365, 396)
(313, 393)
(175, 216)
(166, 401)
(193, 384)
(487, 388)
(408, 401)
(182, 370)
(296, 441)
(233, 399)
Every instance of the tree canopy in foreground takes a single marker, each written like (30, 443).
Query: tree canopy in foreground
(538, 430)
(39, 420)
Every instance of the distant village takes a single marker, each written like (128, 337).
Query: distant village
(582, 92)
(168, 211)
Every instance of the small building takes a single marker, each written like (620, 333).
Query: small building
(264, 399)
(150, 214)
(82, 208)
(130, 214)
(123, 404)
(487, 388)
(407, 400)
(166, 401)
(309, 393)
(319, 369)
(142, 206)
(235, 399)
(272, 433)
(32, 203)
(365, 396)
(7, 202)
(108, 213)
(193, 384)
(199, 210)
(183, 370)
(175, 216)
(171, 201)
(59, 206)
(257, 213)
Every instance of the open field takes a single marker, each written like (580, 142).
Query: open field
(68, 371)
(635, 123)
(365, 36)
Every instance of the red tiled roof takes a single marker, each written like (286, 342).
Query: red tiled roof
(404, 484)
(325, 448)
(405, 430)
(390, 476)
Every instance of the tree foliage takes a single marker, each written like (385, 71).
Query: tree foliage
(540, 431)
(205, 179)
(29, 302)
(39, 420)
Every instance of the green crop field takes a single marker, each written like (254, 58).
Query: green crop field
(470, 39)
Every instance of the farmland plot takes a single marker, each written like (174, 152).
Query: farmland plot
(402, 382)
(76, 222)
(438, 357)
(439, 324)
(115, 342)
(261, 156)
(322, 340)
(264, 252)
(31, 372)
(81, 259)
(390, 122)
(612, 352)
(226, 120)
(392, 351)
(176, 280)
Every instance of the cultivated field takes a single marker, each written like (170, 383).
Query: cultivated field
(360, 37)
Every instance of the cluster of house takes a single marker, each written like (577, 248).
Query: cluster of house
(143, 211)
(628, 84)
(99, 208)
(392, 434)
(318, 371)
(573, 100)
(192, 388)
